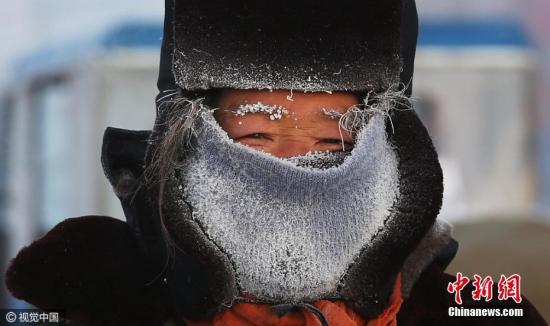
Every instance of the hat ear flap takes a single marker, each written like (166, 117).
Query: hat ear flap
(123, 158)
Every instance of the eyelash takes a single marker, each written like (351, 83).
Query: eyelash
(335, 141)
(326, 141)
(331, 141)
(254, 136)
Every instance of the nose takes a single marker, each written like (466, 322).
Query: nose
(290, 148)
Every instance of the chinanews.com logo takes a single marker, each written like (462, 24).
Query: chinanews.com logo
(507, 288)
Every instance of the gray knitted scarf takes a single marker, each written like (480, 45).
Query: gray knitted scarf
(290, 231)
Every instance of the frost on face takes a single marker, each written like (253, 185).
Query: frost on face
(290, 231)
(331, 114)
(275, 112)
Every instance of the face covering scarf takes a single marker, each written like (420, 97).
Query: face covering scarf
(290, 231)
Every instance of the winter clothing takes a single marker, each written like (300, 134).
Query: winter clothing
(265, 213)
(93, 269)
(350, 46)
(181, 258)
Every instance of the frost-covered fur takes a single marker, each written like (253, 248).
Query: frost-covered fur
(290, 232)
(348, 46)
(433, 243)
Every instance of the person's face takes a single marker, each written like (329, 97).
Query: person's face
(292, 126)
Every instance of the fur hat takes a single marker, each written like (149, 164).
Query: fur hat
(302, 45)
(201, 56)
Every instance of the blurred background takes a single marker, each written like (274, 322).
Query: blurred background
(69, 69)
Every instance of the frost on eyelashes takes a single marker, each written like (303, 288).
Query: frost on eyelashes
(275, 112)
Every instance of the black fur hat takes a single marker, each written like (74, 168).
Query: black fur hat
(408, 34)
(302, 45)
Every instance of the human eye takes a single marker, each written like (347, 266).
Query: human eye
(256, 136)
(256, 140)
(334, 144)
(331, 141)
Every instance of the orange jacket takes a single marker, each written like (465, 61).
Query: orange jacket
(336, 314)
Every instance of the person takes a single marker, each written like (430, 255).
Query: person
(287, 181)
(285, 128)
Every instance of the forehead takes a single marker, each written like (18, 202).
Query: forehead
(296, 102)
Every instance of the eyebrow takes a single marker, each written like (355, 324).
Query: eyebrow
(275, 112)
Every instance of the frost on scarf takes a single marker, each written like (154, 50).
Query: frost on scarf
(290, 231)
(319, 160)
